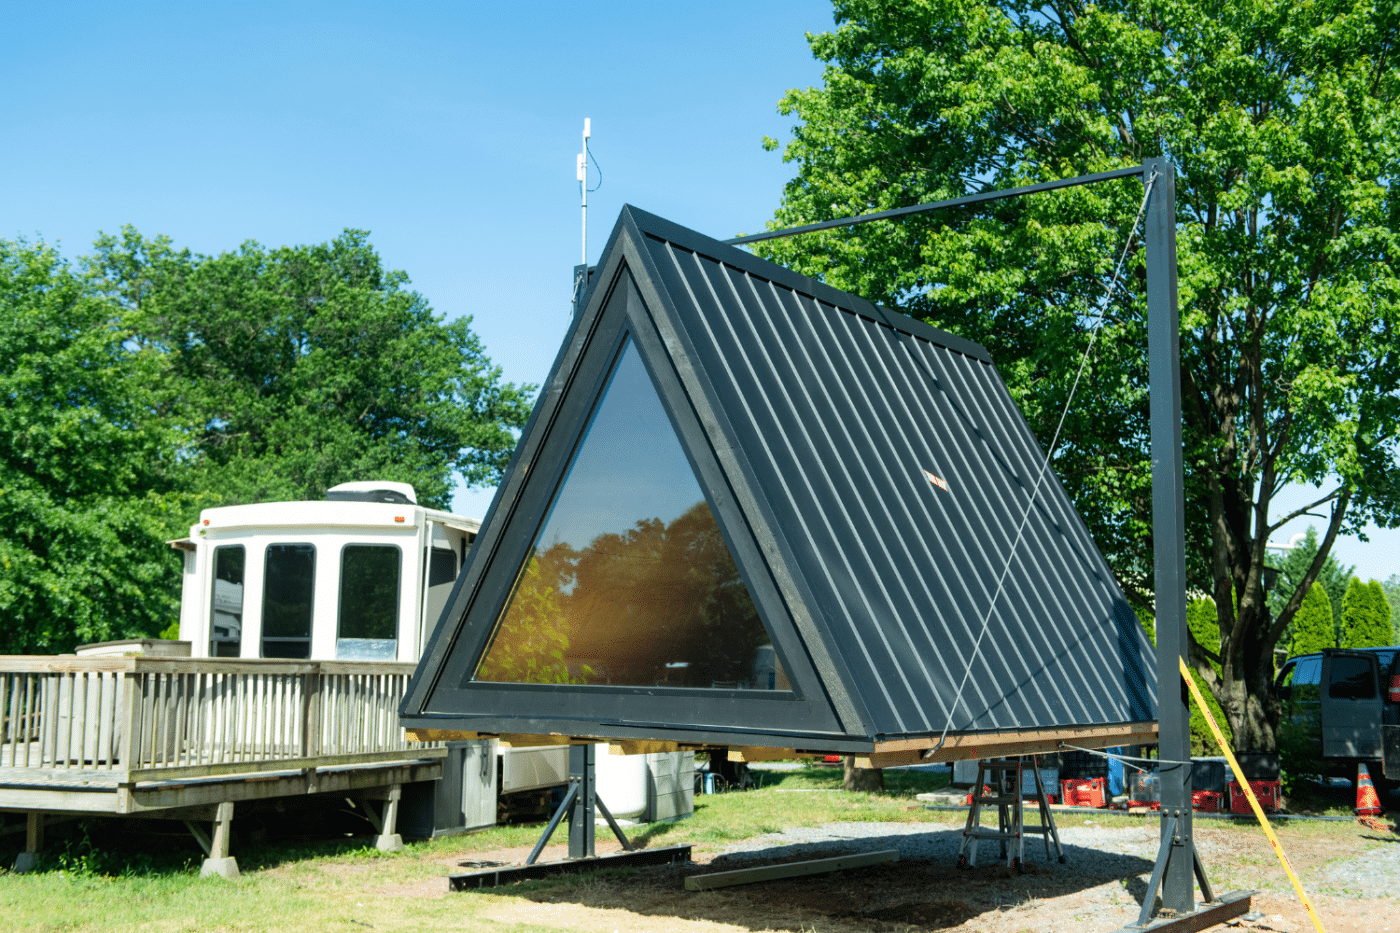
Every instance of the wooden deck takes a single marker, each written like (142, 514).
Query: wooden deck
(129, 735)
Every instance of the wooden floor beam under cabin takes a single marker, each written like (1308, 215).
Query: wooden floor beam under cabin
(878, 754)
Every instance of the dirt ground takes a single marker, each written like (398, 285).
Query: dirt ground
(910, 895)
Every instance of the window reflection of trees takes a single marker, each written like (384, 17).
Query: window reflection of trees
(657, 605)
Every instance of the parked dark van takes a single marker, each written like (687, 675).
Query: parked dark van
(1341, 707)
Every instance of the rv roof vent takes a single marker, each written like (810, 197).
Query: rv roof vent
(373, 491)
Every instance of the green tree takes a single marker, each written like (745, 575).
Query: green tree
(1293, 566)
(1202, 620)
(1365, 616)
(1281, 119)
(88, 471)
(1391, 586)
(301, 367)
(1312, 624)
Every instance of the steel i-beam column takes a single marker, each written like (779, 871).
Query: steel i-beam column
(1169, 530)
(582, 764)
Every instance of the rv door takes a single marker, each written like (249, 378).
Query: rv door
(1351, 705)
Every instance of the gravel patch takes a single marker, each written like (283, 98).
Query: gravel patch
(1093, 854)
(1375, 873)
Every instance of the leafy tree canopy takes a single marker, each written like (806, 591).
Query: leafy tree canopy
(151, 382)
(88, 472)
(300, 367)
(1281, 118)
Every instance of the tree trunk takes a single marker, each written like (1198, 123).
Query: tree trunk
(870, 780)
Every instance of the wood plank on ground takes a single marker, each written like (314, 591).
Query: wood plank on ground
(725, 879)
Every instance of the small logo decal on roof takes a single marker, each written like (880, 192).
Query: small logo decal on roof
(937, 481)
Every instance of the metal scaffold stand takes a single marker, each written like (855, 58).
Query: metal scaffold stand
(999, 783)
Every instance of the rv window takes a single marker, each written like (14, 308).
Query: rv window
(443, 567)
(226, 602)
(289, 581)
(369, 602)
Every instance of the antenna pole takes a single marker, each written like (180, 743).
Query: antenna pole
(583, 186)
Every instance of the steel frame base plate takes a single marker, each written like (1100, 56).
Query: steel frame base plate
(1207, 915)
(493, 877)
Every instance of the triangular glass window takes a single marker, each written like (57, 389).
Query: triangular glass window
(629, 581)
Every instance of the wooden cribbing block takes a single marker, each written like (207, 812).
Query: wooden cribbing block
(725, 879)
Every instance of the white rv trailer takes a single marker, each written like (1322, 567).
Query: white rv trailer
(364, 576)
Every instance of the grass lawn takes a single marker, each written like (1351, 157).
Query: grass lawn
(103, 880)
(105, 877)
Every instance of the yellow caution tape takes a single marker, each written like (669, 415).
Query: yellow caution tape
(1249, 793)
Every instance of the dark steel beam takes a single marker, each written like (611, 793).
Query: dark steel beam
(1168, 533)
(493, 877)
(965, 201)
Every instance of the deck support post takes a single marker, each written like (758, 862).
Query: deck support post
(28, 860)
(388, 839)
(219, 862)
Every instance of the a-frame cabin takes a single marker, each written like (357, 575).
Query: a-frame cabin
(753, 510)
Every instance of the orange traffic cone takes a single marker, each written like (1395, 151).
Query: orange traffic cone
(1368, 802)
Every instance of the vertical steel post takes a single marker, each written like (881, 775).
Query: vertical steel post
(1169, 533)
(582, 762)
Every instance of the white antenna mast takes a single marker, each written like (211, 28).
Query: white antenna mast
(583, 189)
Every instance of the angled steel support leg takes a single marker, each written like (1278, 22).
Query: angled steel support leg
(1164, 856)
(554, 822)
(1207, 894)
(617, 830)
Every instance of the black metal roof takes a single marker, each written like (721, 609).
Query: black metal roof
(816, 423)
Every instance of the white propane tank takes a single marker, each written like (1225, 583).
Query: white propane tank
(622, 783)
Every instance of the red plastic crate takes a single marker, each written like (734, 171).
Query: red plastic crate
(986, 792)
(1084, 792)
(1207, 801)
(1270, 794)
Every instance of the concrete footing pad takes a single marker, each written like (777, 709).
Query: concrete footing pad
(391, 843)
(222, 867)
(26, 861)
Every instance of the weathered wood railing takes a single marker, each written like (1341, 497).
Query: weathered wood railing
(131, 719)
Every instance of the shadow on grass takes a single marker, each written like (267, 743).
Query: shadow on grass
(924, 889)
(137, 847)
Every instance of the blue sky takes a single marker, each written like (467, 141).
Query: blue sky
(447, 130)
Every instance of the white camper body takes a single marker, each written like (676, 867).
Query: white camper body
(350, 579)
(292, 579)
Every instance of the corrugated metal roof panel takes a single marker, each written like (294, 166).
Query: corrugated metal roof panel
(840, 414)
